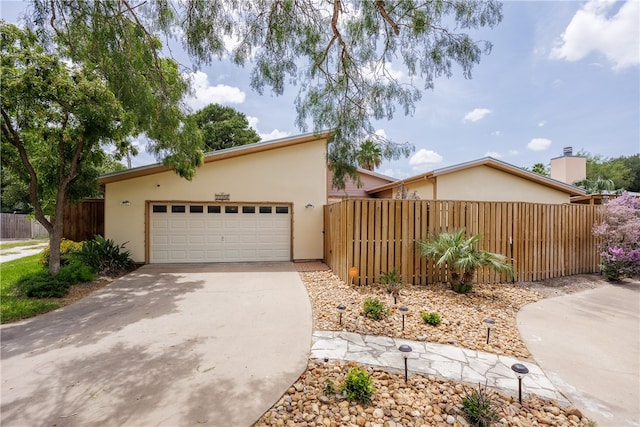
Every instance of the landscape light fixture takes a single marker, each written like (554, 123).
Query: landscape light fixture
(405, 349)
(341, 309)
(403, 310)
(520, 371)
(489, 322)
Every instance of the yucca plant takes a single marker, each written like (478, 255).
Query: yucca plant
(393, 282)
(462, 257)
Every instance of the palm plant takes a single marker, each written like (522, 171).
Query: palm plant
(369, 155)
(462, 257)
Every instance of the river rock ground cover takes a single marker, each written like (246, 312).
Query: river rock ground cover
(424, 400)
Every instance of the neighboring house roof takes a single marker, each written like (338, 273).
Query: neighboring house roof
(368, 179)
(492, 163)
(215, 156)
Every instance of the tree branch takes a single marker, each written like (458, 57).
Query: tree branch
(383, 12)
(14, 139)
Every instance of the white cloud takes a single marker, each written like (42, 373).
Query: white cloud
(381, 133)
(274, 134)
(591, 29)
(513, 152)
(539, 144)
(205, 94)
(493, 154)
(542, 123)
(423, 158)
(497, 133)
(395, 173)
(477, 114)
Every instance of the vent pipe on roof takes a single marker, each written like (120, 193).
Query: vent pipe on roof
(567, 151)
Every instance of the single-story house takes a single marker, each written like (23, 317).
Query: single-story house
(258, 202)
(263, 201)
(485, 179)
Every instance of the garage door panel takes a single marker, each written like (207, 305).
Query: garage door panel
(197, 224)
(197, 239)
(178, 239)
(219, 233)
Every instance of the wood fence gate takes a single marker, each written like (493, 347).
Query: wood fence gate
(542, 241)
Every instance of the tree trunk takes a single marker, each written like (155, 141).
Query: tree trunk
(55, 236)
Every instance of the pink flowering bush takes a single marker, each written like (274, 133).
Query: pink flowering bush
(620, 237)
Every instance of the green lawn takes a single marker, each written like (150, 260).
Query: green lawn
(13, 308)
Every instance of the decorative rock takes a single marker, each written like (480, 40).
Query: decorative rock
(572, 410)
(426, 400)
(378, 413)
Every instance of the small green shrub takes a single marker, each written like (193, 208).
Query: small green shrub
(76, 272)
(104, 255)
(393, 283)
(358, 385)
(67, 248)
(432, 318)
(479, 408)
(374, 308)
(43, 285)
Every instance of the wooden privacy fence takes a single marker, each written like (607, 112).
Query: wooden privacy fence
(20, 226)
(542, 241)
(83, 220)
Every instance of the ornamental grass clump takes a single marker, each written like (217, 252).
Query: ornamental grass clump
(479, 407)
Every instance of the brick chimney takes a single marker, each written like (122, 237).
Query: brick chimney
(569, 168)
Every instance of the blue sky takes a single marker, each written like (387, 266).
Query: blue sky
(560, 74)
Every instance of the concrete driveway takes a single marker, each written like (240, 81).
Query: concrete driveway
(588, 344)
(172, 345)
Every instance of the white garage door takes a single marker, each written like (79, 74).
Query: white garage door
(214, 232)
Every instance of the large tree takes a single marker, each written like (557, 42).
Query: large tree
(343, 54)
(224, 127)
(56, 117)
(609, 174)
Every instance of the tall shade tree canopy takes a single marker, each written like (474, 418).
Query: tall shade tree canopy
(55, 118)
(223, 127)
(354, 61)
(611, 174)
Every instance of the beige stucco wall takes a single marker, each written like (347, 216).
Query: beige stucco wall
(489, 184)
(294, 174)
(569, 169)
(424, 189)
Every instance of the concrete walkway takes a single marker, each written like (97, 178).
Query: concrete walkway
(446, 361)
(588, 343)
(21, 251)
(166, 345)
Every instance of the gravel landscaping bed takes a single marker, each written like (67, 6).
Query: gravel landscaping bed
(425, 400)
(462, 314)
